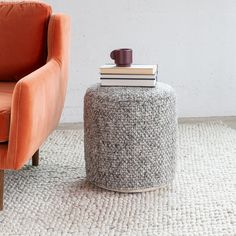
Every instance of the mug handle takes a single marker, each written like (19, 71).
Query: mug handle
(113, 54)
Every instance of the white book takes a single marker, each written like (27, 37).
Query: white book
(133, 69)
(128, 83)
(125, 76)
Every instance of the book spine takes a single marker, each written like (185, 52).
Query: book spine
(125, 76)
(127, 71)
(125, 79)
(138, 79)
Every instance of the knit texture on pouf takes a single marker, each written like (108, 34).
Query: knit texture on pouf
(130, 136)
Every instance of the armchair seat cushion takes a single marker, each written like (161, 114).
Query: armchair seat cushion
(6, 91)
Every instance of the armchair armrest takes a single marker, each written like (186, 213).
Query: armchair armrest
(36, 108)
(38, 98)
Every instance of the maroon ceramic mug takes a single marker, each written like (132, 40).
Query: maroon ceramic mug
(123, 57)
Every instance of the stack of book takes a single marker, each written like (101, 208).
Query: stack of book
(135, 75)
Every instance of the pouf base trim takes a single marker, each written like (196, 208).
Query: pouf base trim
(140, 190)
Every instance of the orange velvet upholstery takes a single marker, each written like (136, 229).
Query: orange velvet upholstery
(6, 91)
(38, 97)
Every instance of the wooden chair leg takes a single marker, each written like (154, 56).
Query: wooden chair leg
(35, 158)
(1, 188)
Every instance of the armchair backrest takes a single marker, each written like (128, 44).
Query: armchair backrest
(23, 38)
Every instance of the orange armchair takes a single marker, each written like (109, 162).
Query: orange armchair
(33, 79)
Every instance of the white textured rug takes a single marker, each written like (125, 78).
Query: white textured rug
(54, 198)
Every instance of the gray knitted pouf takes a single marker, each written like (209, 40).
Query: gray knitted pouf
(130, 137)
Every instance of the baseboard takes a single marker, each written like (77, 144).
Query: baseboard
(78, 125)
(229, 120)
(206, 119)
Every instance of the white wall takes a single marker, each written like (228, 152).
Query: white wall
(194, 43)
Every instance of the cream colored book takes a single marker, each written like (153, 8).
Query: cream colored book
(131, 70)
(128, 83)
